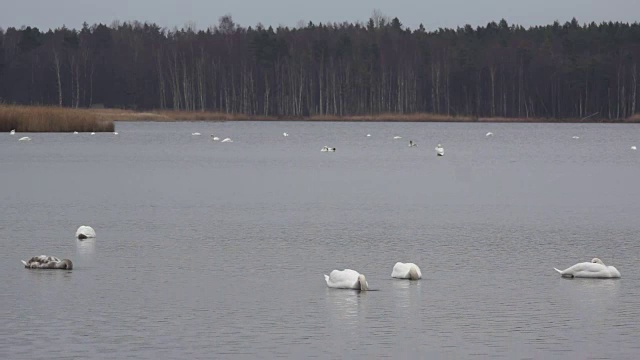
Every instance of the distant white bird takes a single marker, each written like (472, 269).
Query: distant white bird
(75, 133)
(93, 133)
(409, 271)
(195, 134)
(115, 133)
(24, 138)
(47, 262)
(227, 140)
(326, 148)
(412, 144)
(633, 147)
(85, 232)
(368, 135)
(12, 132)
(285, 134)
(346, 279)
(489, 134)
(439, 150)
(594, 269)
(214, 138)
(397, 137)
(575, 137)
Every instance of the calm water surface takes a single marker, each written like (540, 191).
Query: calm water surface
(212, 250)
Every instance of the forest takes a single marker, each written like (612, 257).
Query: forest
(501, 70)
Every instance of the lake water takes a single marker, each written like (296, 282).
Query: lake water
(218, 250)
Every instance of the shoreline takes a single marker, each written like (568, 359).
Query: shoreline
(59, 119)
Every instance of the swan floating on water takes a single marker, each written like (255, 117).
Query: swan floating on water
(75, 133)
(47, 262)
(329, 149)
(85, 232)
(346, 279)
(412, 144)
(12, 132)
(439, 150)
(195, 134)
(594, 269)
(227, 140)
(397, 137)
(409, 271)
(214, 138)
(575, 137)
(93, 133)
(115, 133)
(368, 135)
(489, 134)
(24, 138)
(633, 148)
(285, 134)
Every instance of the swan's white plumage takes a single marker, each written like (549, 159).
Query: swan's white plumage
(368, 135)
(93, 133)
(397, 137)
(575, 137)
(75, 133)
(227, 140)
(195, 134)
(406, 271)
(346, 279)
(85, 232)
(115, 133)
(47, 262)
(285, 134)
(439, 150)
(329, 149)
(214, 138)
(489, 133)
(24, 138)
(633, 148)
(593, 269)
(12, 132)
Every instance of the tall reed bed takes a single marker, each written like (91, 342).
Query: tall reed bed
(51, 119)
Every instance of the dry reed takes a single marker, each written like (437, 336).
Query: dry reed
(51, 119)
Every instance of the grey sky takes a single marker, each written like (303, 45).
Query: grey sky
(46, 14)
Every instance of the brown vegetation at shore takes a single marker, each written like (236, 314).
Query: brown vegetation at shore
(51, 119)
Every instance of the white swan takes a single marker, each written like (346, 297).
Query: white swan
(594, 269)
(75, 133)
(397, 137)
(227, 140)
(412, 144)
(346, 279)
(115, 133)
(489, 134)
(85, 232)
(575, 137)
(214, 138)
(285, 134)
(47, 262)
(12, 132)
(439, 150)
(368, 135)
(24, 138)
(409, 271)
(93, 133)
(633, 148)
(326, 148)
(195, 134)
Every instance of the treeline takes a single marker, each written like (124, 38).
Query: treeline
(499, 70)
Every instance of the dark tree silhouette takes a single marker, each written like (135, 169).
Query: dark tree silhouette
(499, 70)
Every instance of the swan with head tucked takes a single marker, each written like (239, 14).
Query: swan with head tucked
(24, 138)
(47, 262)
(409, 271)
(439, 150)
(634, 147)
(594, 269)
(397, 137)
(85, 232)
(489, 134)
(346, 279)
(195, 134)
(227, 140)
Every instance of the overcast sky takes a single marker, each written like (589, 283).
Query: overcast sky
(46, 14)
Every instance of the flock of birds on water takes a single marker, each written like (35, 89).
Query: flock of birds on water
(439, 149)
(347, 278)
